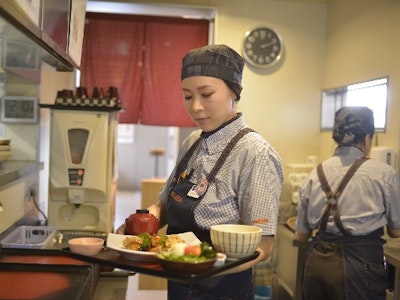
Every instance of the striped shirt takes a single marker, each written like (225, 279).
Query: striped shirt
(247, 188)
(370, 200)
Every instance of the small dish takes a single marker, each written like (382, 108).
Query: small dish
(89, 246)
(221, 258)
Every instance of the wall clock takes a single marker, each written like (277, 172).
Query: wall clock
(262, 47)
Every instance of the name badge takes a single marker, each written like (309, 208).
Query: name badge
(198, 189)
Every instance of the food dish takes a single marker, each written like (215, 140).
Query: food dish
(186, 267)
(115, 242)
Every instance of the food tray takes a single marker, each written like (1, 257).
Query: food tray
(32, 237)
(112, 258)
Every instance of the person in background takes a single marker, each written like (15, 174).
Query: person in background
(348, 199)
(202, 190)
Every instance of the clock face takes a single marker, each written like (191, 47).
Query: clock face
(262, 47)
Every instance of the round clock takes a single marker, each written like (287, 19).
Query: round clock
(262, 47)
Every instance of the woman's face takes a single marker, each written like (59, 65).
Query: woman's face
(208, 101)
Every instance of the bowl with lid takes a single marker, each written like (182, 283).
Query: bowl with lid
(235, 240)
(141, 222)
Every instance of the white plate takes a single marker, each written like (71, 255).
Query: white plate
(115, 242)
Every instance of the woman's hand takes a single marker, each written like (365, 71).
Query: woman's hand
(121, 229)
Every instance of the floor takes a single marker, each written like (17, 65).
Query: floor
(121, 285)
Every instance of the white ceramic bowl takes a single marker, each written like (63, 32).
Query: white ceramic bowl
(235, 240)
(86, 245)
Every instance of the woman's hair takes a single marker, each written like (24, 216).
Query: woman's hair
(352, 124)
(237, 89)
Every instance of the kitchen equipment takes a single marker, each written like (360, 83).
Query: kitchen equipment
(82, 168)
(141, 222)
(383, 154)
(29, 237)
(235, 240)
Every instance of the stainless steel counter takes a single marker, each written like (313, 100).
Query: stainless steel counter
(11, 170)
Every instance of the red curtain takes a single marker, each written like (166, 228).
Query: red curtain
(141, 56)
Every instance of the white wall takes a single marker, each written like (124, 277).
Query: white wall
(282, 105)
(362, 44)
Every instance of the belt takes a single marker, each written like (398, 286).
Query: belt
(326, 247)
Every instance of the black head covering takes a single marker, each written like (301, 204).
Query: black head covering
(218, 61)
(351, 123)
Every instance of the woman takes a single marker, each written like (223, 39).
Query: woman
(203, 190)
(346, 259)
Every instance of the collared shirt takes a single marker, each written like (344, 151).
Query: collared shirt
(369, 201)
(247, 188)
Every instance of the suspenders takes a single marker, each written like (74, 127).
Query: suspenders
(332, 205)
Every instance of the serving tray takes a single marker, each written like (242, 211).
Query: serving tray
(112, 258)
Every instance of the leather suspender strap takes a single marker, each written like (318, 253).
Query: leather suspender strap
(332, 205)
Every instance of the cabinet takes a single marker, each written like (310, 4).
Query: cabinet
(287, 265)
(17, 181)
(51, 40)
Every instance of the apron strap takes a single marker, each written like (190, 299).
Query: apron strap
(226, 151)
(332, 205)
(185, 159)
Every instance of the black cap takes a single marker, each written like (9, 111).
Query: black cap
(219, 61)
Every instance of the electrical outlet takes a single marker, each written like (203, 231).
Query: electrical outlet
(32, 192)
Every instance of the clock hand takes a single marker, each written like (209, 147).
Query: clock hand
(268, 44)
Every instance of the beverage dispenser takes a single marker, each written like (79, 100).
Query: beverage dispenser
(82, 184)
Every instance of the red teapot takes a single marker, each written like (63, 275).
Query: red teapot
(141, 222)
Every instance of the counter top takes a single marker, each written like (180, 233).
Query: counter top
(37, 274)
(11, 170)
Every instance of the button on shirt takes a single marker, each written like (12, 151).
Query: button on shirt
(247, 188)
(369, 201)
